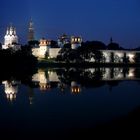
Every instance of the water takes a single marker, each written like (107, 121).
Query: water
(55, 100)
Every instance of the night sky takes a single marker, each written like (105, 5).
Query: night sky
(92, 19)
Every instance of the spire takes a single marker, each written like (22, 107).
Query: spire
(11, 29)
(111, 40)
(7, 32)
(31, 24)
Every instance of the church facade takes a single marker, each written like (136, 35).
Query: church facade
(11, 39)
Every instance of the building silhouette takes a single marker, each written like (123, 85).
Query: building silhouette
(31, 31)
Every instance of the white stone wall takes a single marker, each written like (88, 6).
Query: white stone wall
(118, 56)
(107, 56)
(53, 52)
(42, 51)
(35, 52)
(131, 57)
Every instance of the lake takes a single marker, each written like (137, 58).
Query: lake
(55, 102)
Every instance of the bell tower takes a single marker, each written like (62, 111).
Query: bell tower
(31, 31)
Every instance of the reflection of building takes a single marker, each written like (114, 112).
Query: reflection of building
(41, 78)
(62, 86)
(118, 73)
(131, 73)
(52, 76)
(118, 56)
(11, 89)
(75, 88)
(11, 39)
(31, 95)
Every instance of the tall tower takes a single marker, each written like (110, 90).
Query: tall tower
(31, 31)
(76, 42)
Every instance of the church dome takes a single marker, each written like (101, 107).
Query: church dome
(11, 36)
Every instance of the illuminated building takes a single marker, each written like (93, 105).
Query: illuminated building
(11, 39)
(75, 42)
(43, 48)
(53, 52)
(64, 39)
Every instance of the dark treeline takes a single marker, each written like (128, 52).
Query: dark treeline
(19, 58)
(19, 65)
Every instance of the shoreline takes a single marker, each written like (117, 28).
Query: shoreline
(84, 64)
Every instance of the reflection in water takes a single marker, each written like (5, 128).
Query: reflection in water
(42, 79)
(31, 96)
(60, 108)
(11, 89)
(118, 74)
(71, 79)
(75, 88)
(62, 86)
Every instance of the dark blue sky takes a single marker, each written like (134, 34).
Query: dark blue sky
(92, 19)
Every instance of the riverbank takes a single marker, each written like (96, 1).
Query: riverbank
(85, 64)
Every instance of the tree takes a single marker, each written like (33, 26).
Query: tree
(114, 46)
(137, 58)
(98, 56)
(33, 43)
(112, 57)
(125, 59)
